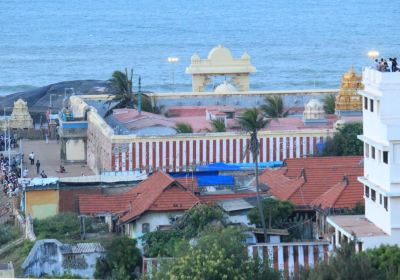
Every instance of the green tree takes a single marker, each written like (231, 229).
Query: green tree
(345, 142)
(273, 107)
(199, 218)
(345, 264)
(252, 121)
(122, 258)
(218, 254)
(123, 97)
(219, 125)
(329, 104)
(190, 225)
(183, 128)
(386, 259)
(276, 213)
(161, 243)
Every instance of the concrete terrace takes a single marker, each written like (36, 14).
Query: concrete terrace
(49, 156)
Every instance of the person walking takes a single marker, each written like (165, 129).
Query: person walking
(37, 167)
(32, 158)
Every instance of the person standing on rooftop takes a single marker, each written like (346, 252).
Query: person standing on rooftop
(37, 167)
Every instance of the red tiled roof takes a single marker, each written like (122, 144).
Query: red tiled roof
(317, 181)
(189, 183)
(159, 192)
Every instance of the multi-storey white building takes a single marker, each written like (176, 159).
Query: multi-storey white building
(381, 180)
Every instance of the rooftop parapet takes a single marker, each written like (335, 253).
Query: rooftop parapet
(375, 80)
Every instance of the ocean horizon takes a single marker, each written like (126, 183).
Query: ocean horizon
(293, 44)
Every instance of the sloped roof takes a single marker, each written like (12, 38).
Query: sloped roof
(82, 248)
(159, 192)
(317, 181)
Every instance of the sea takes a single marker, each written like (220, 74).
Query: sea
(294, 44)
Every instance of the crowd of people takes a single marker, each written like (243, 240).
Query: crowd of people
(9, 178)
(9, 141)
(384, 65)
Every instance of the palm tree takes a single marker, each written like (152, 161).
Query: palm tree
(252, 120)
(123, 98)
(274, 107)
(183, 128)
(329, 104)
(219, 125)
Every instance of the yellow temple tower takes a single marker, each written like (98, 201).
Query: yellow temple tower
(348, 102)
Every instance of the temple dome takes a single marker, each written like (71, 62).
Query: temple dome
(225, 87)
(314, 110)
(220, 54)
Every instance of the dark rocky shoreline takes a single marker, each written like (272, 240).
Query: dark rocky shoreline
(39, 98)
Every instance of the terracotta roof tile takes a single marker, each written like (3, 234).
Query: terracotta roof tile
(159, 192)
(320, 182)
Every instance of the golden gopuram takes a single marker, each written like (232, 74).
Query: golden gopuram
(348, 101)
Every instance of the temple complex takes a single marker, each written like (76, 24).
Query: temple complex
(348, 102)
(220, 62)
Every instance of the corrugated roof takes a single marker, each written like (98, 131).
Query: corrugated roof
(82, 248)
(235, 204)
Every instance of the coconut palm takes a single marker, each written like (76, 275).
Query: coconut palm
(274, 107)
(329, 104)
(123, 97)
(183, 128)
(252, 120)
(219, 125)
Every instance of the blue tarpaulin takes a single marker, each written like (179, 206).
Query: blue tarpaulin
(222, 180)
(220, 166)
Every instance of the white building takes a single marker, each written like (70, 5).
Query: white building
(381, 180)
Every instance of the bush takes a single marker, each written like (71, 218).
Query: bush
(121, 260)
(66, 226)
(161, 243)
(386, 259)
(7, 234)
(62, 227)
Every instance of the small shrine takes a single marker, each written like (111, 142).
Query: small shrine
(348, 102)
(314, 112)
(20, 117)
(220, 62)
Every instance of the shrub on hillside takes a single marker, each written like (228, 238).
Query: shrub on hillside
(7, 233)
(65, 226)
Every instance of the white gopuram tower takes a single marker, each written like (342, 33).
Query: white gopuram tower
(381, 180)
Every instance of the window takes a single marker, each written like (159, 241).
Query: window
(365, 103)
(145, 227)
(380, 199)
(373, 152)
(371, 105)
(366, 191)
(366, 149)
(385, 203)
(373, 195)
(385, 157)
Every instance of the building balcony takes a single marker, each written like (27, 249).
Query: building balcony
(72, 128)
